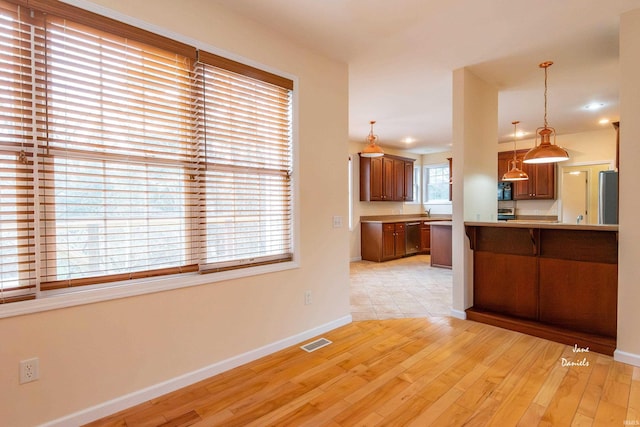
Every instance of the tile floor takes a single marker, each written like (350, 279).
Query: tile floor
(407, 287)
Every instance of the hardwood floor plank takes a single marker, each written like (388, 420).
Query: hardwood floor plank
(561, 409)
(592, 393)
(406, 372)
(633, 411)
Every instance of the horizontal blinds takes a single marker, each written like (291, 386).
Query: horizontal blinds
(20, 96)
(245, 129)
(112, 26)
(117, 172)
(122, 158)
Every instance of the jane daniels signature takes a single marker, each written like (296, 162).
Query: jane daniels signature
(583, 362)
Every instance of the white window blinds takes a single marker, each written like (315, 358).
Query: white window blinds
(245, 133)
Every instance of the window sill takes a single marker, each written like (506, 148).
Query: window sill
(64, 298)
(438, 202)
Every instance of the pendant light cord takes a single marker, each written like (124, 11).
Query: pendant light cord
(545, 96)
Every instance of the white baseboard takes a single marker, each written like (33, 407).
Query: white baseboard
(628, 358)
(459, 314)
(123, 402)
(355, 259)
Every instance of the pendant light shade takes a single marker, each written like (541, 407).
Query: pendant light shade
(514, 173)
(372, 149)
(546, 152)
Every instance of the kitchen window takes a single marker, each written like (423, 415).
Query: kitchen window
(436, 183)
(126, 155)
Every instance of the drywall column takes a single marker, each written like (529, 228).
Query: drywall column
(475, 136)
(628, 346)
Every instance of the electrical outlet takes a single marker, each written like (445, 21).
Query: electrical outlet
(337, 221)
(307, 298)
(29, 370)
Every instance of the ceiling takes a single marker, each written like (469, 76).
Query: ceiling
(401, 55)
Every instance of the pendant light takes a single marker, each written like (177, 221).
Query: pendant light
(513, 173)
(372, 149)
(546, 152)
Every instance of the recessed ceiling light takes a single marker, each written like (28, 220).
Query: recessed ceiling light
(408, 140)
(603, 121)
(520, 134)
(594, 106)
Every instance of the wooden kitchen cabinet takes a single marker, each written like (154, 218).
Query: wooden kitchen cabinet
(386, 178)
(541, 183)
(441, 244)
(542, 177)
(425, 237)
(504, 158)
(382, 241)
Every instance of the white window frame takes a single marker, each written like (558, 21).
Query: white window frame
(425, 184)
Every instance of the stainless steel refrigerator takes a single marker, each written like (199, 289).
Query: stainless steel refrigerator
(608, 197)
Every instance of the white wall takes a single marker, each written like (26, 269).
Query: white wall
(90, 354)
(628, 348)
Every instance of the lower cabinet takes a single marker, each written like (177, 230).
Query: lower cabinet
(382, 242)
(441, 245)
(425, 237)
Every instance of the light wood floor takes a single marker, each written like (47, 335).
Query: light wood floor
(421, 372)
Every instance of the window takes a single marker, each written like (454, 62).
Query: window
(120, 159)
(416, 184)
(436, 184)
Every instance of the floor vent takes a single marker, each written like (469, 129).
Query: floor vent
(314, 345)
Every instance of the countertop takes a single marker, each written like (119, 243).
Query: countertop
(382, 219)
(544, 224)
(444, 223)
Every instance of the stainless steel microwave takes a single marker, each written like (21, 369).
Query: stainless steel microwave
(505, 191)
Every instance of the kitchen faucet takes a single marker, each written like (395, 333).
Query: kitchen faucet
(579, 218)
(428, 212)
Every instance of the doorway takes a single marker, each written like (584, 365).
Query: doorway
(579, 193)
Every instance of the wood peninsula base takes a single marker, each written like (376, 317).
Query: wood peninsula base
(554, 281)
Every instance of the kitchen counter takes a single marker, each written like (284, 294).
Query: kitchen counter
(386, 219)
(552, 280)
(551, 225)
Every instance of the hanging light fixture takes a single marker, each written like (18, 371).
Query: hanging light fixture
(546, 152)
(514, 173)
(372, 149)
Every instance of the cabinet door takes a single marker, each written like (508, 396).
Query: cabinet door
(387, 178)
(376, 180)
(408, 181)
(425, 237)
(400, 240)
(398, 180)
(544, 185)
(541, 183)
(388, 241)
(521, 189)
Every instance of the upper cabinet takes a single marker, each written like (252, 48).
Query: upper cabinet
(386, 178)
(542, 177)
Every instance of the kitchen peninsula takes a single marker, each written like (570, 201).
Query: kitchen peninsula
(555, 281)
